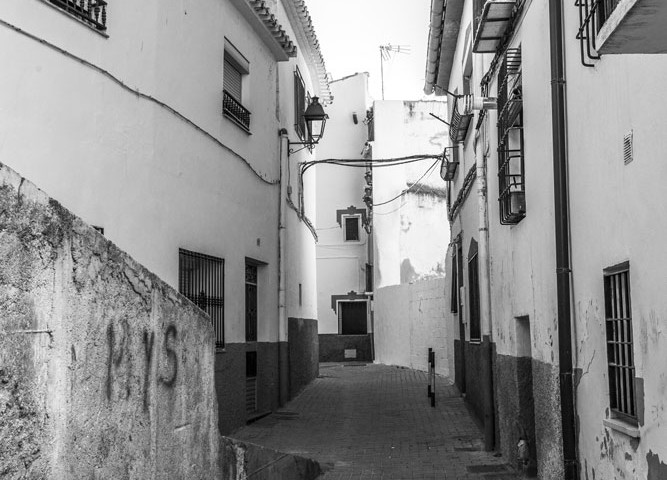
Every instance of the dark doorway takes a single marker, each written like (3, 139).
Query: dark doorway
(352, 318)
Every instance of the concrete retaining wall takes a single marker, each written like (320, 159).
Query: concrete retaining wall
(410, 319)
(105, 371)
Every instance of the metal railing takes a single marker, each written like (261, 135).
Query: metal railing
(92, 12)
(592, 16)
(201, 278)
(233, 109)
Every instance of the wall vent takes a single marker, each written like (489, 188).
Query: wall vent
(627, 148)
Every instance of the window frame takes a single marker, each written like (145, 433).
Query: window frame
(96, 20)
(619, 338)
(233, 103)
(344, 219)
(340, 309)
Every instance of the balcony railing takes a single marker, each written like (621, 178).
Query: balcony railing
(459, 124)
(592, 16)
(233, 109)
(92, 12)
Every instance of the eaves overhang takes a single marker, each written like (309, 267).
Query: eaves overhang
(493, 22)
(266, 25)
(299, 18)
(443, 34)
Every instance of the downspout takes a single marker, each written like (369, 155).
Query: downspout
(283, 358)
(484, 280)
(562, 228)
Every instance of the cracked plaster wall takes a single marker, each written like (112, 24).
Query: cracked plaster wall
(105, 371)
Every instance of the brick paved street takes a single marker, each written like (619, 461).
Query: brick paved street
(375, 422)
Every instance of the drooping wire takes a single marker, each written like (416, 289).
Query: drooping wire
(403, 192)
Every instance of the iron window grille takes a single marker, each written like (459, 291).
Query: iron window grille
(90, 12)
(593, 14)
(458, 124)
(473, 280)
(352, 228)
(511, 179)
(250, 302)
(620, 355)
(201, 279)
(300, 102)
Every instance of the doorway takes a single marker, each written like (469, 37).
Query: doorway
(353, 318)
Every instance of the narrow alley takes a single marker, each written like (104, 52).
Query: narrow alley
(375, 422)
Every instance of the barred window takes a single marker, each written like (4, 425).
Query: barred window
(201, 279)
(620, 356)
(511, 180)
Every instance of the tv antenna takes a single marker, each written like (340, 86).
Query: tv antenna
(386, 52)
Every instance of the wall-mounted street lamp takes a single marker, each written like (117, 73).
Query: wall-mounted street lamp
(316, 119)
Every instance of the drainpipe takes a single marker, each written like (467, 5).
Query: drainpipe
(562, 228)
(283, 352)
(484, 280)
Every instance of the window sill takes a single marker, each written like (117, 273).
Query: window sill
(621, 426)
(77, 20)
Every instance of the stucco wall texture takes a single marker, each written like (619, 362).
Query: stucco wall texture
(410, 319)
(105, 371)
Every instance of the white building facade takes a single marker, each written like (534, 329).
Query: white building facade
(166, 125)
(554, 275)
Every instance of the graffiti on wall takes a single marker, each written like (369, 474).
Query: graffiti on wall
(121, 363)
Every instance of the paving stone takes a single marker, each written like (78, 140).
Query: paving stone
(376, 422)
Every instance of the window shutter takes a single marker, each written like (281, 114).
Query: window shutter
(232, 80)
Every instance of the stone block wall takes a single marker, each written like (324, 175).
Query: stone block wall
(105, 371)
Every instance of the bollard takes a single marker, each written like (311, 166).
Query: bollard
(431, 376)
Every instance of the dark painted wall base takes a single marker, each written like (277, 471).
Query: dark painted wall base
(522, 386)
(283, 369)
(303, 353)
(333, 346)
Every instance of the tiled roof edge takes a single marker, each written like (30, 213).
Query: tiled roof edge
(303, 25)
(271, 23)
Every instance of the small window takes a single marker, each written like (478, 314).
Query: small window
(300, 102)
(236, 67)
(91, 12)
(201, 279)
(250, 302)
(352, 228)
(473, 293)
(620, 354)
(511, 179)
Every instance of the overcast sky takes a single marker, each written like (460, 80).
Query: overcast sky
(350, 34)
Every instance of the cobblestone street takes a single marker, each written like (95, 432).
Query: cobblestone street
(369, 422)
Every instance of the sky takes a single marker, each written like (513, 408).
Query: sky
(350, 33)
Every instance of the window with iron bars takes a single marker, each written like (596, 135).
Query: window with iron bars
(511, 179)
(250, 302)
(201, 279)
(593, 14)
(90, 12)
(620, 355)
